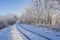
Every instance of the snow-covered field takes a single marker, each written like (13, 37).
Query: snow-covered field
(28, 32)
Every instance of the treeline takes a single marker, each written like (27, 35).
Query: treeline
(7, 20)
(42, 12)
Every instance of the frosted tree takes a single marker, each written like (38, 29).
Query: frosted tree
(3, 23)
(52, 6)
(39, 6)
(42, 12)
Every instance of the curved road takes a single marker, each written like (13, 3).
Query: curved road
(28, 32)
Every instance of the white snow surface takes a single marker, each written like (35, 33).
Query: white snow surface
(14, 34)
(20, 31)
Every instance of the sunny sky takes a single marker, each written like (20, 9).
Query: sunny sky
(13, 6)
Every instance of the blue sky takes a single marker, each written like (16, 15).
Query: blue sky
(13, 6)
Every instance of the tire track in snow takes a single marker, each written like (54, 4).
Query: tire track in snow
(35, 33)
(30, 35)
(14, 34)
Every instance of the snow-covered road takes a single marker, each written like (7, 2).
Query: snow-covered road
(28, 32)
(14, 34)
(43, 33)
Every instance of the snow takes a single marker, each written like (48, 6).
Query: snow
(14, 34)
(11, 33)
(41, 31)
(30, 35)
(20, 31)
(4, 34)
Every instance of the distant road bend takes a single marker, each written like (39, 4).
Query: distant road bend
(28, 32)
